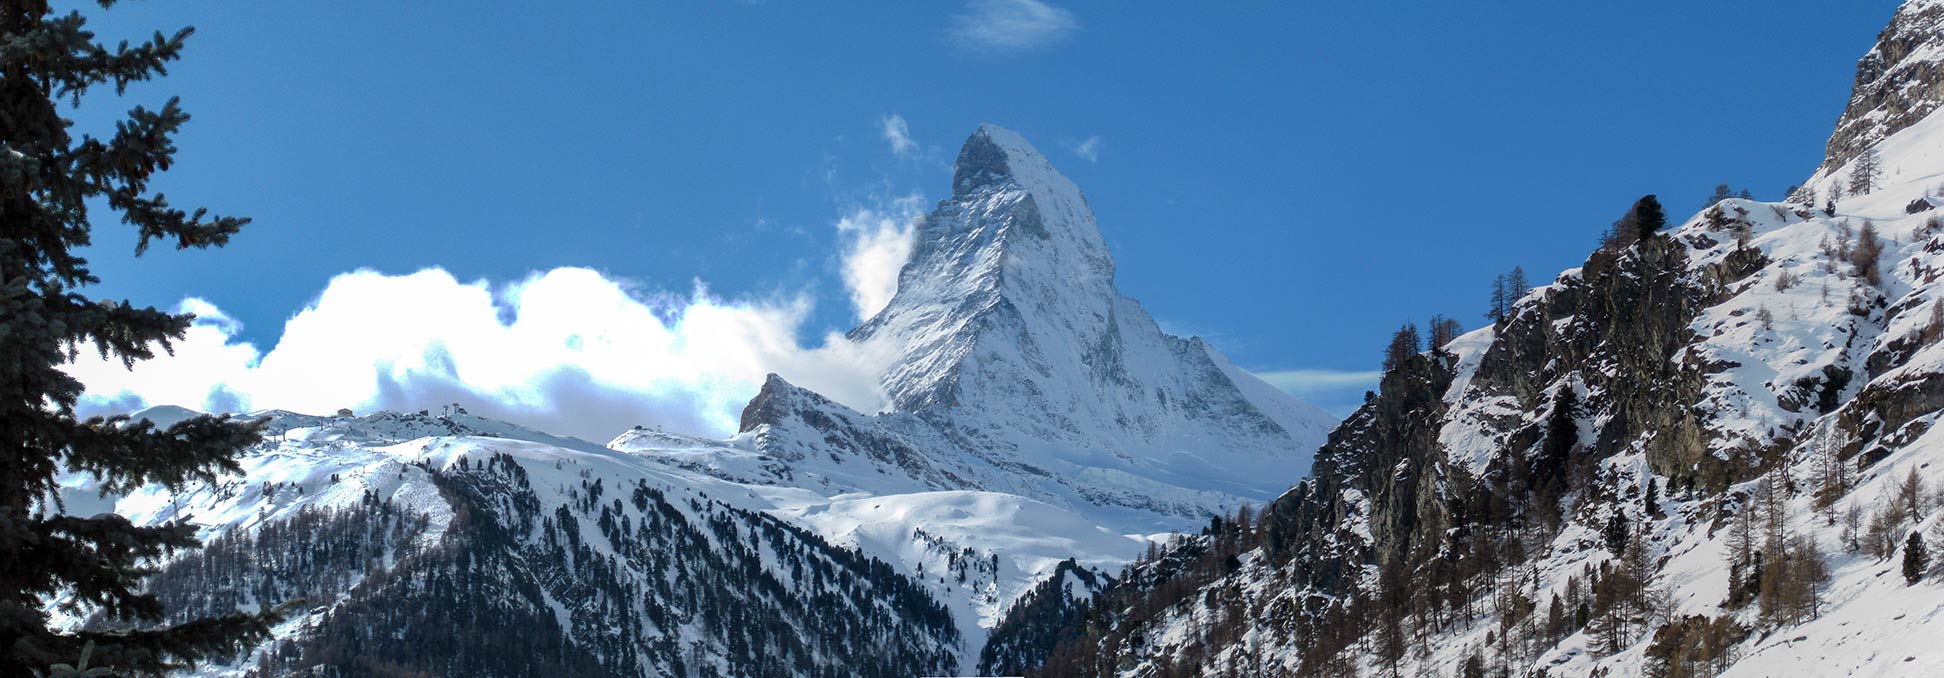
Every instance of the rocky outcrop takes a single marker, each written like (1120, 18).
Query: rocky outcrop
(1899, 82)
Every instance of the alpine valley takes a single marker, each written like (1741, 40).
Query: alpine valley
(1708, 450)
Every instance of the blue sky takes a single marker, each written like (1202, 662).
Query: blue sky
(1289, 180)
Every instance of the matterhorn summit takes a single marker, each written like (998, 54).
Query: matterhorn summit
(1021, 369)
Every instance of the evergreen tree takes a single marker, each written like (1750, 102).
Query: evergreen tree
(1646, 218)
(49, 181)
(1916, 558)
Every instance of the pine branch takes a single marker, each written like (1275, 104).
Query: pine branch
(126, 454)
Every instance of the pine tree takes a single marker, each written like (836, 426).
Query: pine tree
(1642, 221)
(1916, 558)
(50, 181)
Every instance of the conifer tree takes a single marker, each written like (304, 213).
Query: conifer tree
(1916, 558)
(49, 179)
(1646, 218)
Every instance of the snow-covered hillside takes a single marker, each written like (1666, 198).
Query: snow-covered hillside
(620, 563)
(1709, 451)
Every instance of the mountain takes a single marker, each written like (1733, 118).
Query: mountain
(1019, 368)
(1706, 451)
(1039, 427)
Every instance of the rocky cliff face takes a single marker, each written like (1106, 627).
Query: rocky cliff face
(1898, 83)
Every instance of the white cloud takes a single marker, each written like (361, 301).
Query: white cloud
(1010, 26)
(877, 244)
(1338, 392)
(567, 350)
(1089, 149)
(1300, 382)
(899, 134)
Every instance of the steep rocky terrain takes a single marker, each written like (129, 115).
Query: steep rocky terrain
(1709, 450)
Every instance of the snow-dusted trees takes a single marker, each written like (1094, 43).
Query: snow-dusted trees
(1865, 171)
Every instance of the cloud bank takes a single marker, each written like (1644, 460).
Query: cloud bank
(570, 351)
(1007, 27)
(567, 350)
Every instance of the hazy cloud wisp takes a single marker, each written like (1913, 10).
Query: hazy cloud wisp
(1010, 26)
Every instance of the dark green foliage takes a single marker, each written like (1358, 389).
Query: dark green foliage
(1916, 558)
(1615, 533)
(1646, 217)
(48, 180)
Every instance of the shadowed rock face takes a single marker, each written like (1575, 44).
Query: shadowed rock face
(1897, 83)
